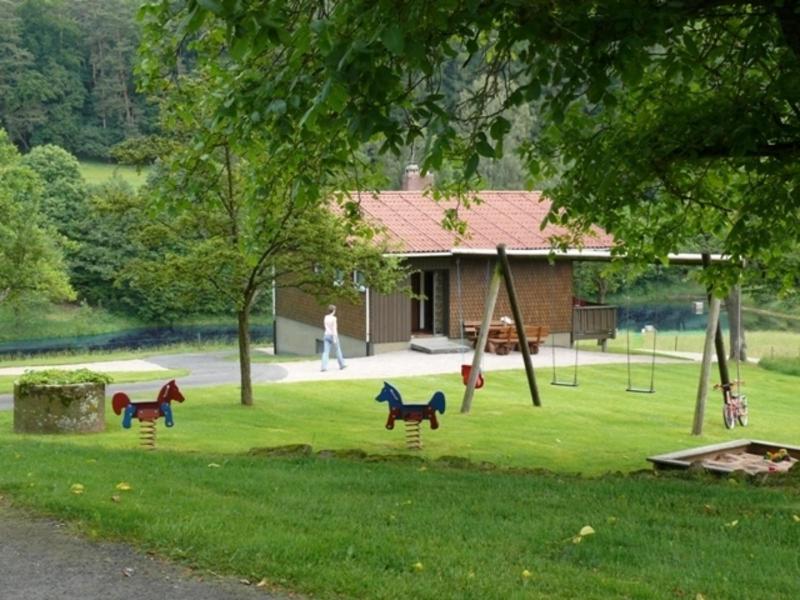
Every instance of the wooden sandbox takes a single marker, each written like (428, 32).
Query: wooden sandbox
(739, 455)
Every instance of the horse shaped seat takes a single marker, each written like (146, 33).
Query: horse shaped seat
(410, 412)
(148, 411)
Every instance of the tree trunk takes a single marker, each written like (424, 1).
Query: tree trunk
(244, 356)
(738, 343)
(483, 335)
(602, 289)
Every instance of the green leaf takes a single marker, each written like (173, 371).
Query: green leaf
(484, 149)
(211, 6)
(392, 38)
(471, 166)
(277, 106)
(500, 127)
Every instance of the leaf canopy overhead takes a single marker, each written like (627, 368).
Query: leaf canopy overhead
(673, 124)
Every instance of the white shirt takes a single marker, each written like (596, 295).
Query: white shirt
(330, 326)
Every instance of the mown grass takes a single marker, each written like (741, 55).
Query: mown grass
(97, 172)
(405, 528)
(339, 528)
(760, 344)
(7, 381)
(591, 429)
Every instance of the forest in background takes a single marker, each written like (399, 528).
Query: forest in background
(67, 75)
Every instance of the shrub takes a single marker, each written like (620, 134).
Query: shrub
(62, 377)
(787, 366)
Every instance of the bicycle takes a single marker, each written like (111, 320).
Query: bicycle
(734, 407)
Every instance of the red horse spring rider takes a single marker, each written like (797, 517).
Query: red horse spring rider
(148, 412)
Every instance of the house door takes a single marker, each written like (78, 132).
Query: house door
(422, 307)
(429, 312)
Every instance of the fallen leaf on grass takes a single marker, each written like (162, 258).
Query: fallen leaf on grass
(123, 486)
(585, 530)
(214, 465)
(796, 518)
(116, 498)
(77, 488)
(732, 523)
(262, 583)
(418, 566)
(526, 574)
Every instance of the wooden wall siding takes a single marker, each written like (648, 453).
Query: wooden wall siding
(297, 305)
(544, 292)
(390, 317)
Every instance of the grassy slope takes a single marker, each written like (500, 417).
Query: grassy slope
(336, 528)
(332, 527)
(62, 320)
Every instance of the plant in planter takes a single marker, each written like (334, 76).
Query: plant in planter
(57, 401)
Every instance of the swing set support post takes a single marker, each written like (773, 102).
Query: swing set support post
(705, 369)
(483, 336)
(719, 341)
(523, 340)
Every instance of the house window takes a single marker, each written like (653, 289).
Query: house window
(359, 281)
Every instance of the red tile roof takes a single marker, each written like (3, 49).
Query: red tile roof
(414, 222)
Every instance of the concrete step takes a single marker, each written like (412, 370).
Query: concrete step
(438, 345)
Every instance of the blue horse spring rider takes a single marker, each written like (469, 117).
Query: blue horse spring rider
(411, 414)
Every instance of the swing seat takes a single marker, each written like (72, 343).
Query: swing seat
(465, 371)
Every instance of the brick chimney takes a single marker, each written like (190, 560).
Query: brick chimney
(414, 181)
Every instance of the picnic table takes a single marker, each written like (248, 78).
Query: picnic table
(503, 338)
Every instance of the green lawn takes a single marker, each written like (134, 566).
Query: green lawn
(392, 528)
(760, 344)
(592, 429)
(99, 172)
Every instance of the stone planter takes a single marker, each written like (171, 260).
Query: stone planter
(69, 408)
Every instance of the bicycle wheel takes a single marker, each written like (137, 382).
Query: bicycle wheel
(743, 411)
(729, 415)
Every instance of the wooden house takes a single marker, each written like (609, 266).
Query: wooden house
(450, 275)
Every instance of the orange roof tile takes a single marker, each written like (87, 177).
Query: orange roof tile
(414, 221)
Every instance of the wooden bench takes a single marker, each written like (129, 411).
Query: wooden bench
(507, 340)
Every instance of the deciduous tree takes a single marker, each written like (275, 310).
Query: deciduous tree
(239, 211)
(31, 265)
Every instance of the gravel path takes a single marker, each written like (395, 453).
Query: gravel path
(42, 560)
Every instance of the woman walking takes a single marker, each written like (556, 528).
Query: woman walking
(331, 338)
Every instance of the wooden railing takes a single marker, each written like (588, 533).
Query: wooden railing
(594, 322)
